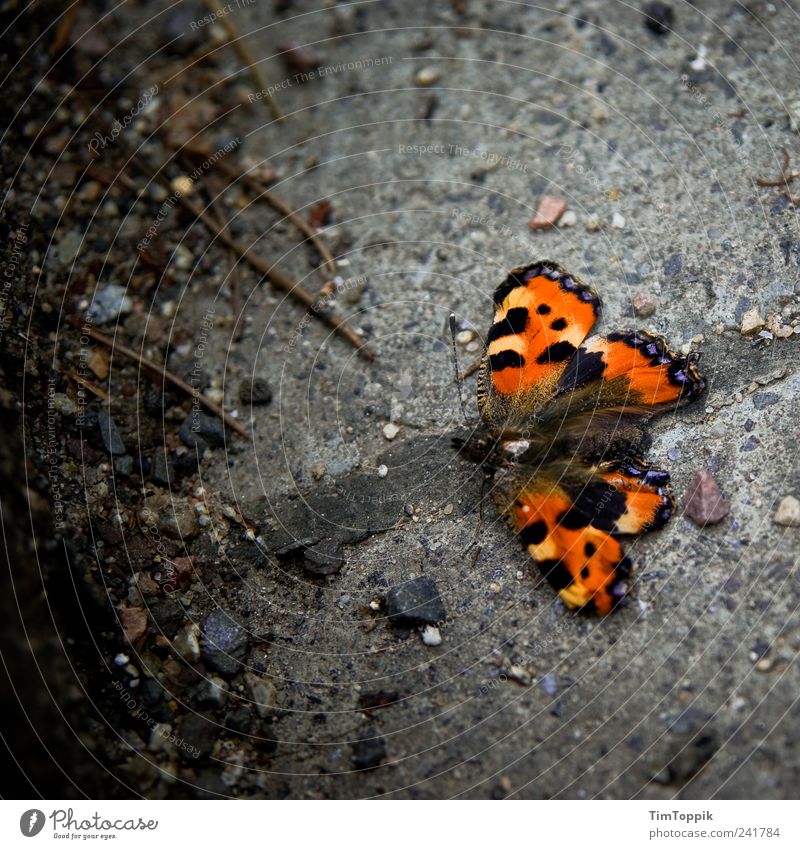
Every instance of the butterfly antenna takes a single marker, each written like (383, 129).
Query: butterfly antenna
(456, 373)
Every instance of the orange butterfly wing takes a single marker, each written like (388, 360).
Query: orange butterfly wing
(571, 532)
(631, 369)
(542, 314)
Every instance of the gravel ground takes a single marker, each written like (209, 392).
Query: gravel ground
(228, 615)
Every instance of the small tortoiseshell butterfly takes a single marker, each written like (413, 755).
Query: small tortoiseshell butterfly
(563, 430)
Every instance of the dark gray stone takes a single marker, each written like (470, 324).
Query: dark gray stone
(324, 558)
(196, 736)
(416, 602)
(201, 429)
(255, 391)
(762, 400)
(223, 642)
(162, 468)
(109, 435)
(369, 751)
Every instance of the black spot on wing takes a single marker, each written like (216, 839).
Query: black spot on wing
(556, 573)
(513, 324)
(559, 324)
(506, 359)
(543, 309)
(589, 549)
(584, 367)
(598, 504)
(534, 533)
(558, 352)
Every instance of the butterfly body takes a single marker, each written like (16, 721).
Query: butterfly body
(563, 430)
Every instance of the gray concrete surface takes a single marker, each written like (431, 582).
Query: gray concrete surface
(665, 698)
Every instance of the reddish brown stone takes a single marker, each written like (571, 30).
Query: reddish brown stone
(134, 622)
(551, 208)
(704, 503)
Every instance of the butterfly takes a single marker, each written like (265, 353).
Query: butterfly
(563, 430)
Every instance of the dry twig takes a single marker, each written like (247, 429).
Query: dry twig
(247, 59)
(166, 375)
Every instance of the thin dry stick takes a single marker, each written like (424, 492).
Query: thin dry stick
(64, 29)
(784, 179)
(247, 59)
(281, 280)
(117, 347)
(92, 387)
(275, 202)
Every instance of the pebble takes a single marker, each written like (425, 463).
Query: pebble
(431, 635)
(751, 321)
(658, 18)
(211, 692)
(464, 337)
(762, 400)
(643, 305)
(618, 221)
(209, 428)
(299, 58)
(415, 602)
(369, 750)
(549, 211)
(788, 512)
(473, 347)
(383, 471)
(255, 391)
(704, 503)
(569, 219)
(324, 558)
(448, 509)
(593, 223)
(520, 674)
(223, 641)
(108, 303)
(549, 684)
(67, 248)
(262, 691)
(187, 642)
(426, 77)
(109, 435)
(182, 185)
(178, 520)
(134, 622)
(390, 430)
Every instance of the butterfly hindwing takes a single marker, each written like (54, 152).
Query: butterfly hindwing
(542, 315)
(571, 525)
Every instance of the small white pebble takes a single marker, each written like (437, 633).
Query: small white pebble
(182, 185)
(618, 221)
(431, 635)
(788, 512)
(383, 471)
(464, 337)
(593, 224)
(390, 430)
(473, 346)
(448, 509)
(751, 321)
(426, 77)
(568, 219)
